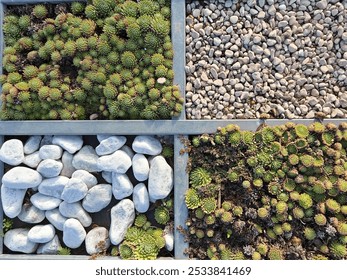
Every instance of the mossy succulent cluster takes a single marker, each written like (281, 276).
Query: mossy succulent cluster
(143, 241)
(277, 193)
(109, 59)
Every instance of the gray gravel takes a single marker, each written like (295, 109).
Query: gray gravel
(283, 58)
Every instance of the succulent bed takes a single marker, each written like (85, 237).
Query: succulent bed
(98, 196)
(95, 60)
(277, 193)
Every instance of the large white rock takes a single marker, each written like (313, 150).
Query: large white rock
(50, 152)
(12, 200)
(56, 218)
(97, 198)
(32, 160)
(31, 214)
(122, 217)
(140, 167)
(75, 210)
(73, 233)
(49, 248)
(121, 186)
(147, 145)
(53, 186)
(110, 145)
(118, 162)
(141, 198)
(32, 144)
(75, 190)
(88, 178)
(17, 241)
(86, 159)
(50, 168)
(160, 180)
(41, 233)
(97, 241)
(11, 152)
(21, 177)
(68, 168)
(70, 143)
(44, 202)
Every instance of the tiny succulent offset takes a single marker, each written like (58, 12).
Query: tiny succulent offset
(102, 59)
(277, 193)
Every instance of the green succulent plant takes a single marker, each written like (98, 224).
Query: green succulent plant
(338, 250)
(162, 215)
(275, 253)
(199, 177)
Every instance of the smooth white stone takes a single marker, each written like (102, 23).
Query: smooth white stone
(97, 198)
(17, 241)
(141, 198)
(86, 159)
(121, 186)
(11, 152)
(53, 186)
(56, 218)
(140, 167)
(12, 200)
(88, 178)
(41, 233)
(97, 241)
(68, 168)
(70, 143)
(49, 168)
(46, 140)
(128, 151)
(102, 137)
(50, 152)
(107, 175)
(32, 144)
(160, 181)
(21, 177)
(169, 238)
(32, 160)
(122, 217)
(147, 145)
(118, 162)
(31, 214)
(75, 190)
(110, 145)
(73, 233)
(49, 248)
(75, 210)
(44, 202)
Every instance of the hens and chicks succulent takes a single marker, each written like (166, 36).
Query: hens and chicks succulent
(110, 59)
(277, 193)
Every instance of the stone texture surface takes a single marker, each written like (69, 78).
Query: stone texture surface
(122, 217)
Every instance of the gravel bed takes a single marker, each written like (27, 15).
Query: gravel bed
(274, 58)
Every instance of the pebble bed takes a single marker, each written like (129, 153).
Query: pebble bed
(282, 58)
(55, 185)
